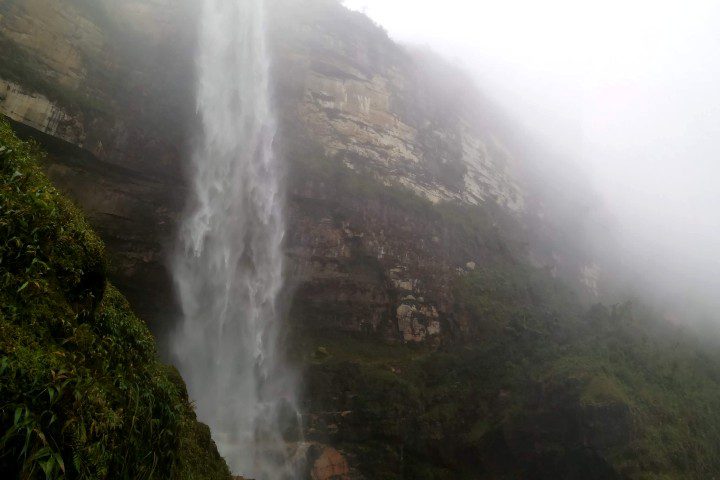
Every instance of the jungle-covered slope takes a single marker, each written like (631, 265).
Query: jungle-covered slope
(82, 394)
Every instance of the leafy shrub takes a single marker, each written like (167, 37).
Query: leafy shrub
(82, 394)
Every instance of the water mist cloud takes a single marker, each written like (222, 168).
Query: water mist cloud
(627, 90)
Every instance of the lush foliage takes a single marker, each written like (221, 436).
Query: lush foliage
(82, 394)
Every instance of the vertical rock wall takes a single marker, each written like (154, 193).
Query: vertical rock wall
(394, 160)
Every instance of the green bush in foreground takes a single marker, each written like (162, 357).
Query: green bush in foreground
(82, 394)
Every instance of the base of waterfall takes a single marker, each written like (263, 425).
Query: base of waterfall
(314, 461)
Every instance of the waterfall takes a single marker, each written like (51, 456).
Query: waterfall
(229, 266)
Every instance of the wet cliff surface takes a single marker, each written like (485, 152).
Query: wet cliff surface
(427, 297)
(121, 91)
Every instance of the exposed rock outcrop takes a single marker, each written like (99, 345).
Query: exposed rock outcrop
(327, 464)
(37, 111)
(372, 106)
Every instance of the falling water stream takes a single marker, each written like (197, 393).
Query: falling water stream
(229, 265)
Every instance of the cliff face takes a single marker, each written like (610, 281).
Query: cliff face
(92, 65)
(375, 107)
(38, 112)
(382, 158)
(114, 79)
(107, 88)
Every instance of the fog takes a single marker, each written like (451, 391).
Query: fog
(628, 91)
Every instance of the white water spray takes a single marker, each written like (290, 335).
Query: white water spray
(229, 266)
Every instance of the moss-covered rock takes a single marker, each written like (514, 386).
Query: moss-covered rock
(546, 389)
(82, 394)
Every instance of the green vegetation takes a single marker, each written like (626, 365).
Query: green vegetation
(82, 394)
(544, 387)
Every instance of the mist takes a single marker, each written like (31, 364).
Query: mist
(626, 93)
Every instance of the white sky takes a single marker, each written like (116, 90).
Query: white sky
(630, 88)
